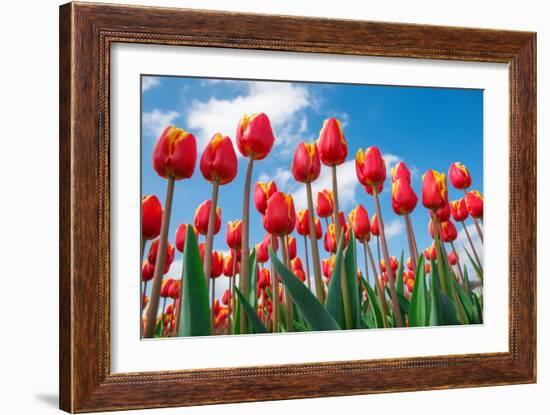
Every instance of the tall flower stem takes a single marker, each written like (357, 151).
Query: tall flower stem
(308, 276)
(338, 231)
(231, 302)
(472, 245)
(381, 296)
(244, 279)
(274, 289)
(319, 290)
(159, 264)
(459, 266)
(412, 250)
(366, 259)
(389, 270)
(178, 313)
(408, 222)
(210, 234)
(286, 298)
(476, 223)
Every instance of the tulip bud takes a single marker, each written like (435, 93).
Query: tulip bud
(332, 146)
(262, 193)
(474, 201)
(255, 136)
(459, 210)
(225, 297)
(219, 161)
(431, 252)
(306, 165)
(202, 214)
(217, 264)
(174, 291)
(452, 258)
(300, 274)
(181, 234)
(434, 190)
(302, 222)
(151, 217)
(427, 267)
(318, 229)
(296, 263)
(327, 266)
(325, 203)
(410, 285)
(234, 233)
(409, 264)
(291, 244)
(264, 279)
(400, 171)
(459, 176)
(394, 264)
(448, 231)
(280, 216)
(175, 154)
(262, 255)
(359, 220)
(229, 264)
(403, 197)
(169, 257)
(330, 242)
(165, 287)
(370, 167)
(147, 271)
(374, 227)
(443, 214)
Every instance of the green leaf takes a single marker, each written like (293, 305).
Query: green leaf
(436, 314)
(466, 279)
(158, 328)
(195, 311)
(334, 303)
(255, 322)
(237, 317)
(374, 304)
(253, 267)
(466, 303)
(350, 262)
(475, 265)
(312, 310)
(399, 287)
(479, 307)
(448, 310)
(419, 312)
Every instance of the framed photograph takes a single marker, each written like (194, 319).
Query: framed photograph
(293, 206)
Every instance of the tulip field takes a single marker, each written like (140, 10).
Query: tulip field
(324, 266)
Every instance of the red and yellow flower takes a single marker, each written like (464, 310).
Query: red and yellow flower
(306, 165)
(175, 154)
(254, 136)
(434, 190)
(151, 217)
(262, 192)
(280, 216)
(332, 146)
(459, 176)
(202, 214)
(219, 161)
(370, 167)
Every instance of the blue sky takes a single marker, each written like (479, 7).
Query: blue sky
(427, 128)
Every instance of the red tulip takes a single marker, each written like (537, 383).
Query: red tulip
(448, 231)
(452, 258)
(181, 233)
(318, 229)
(434, 190)
(147, 271)
(175, 154)
(370, 167)
(459, 210)
(229, 264)
(262, 255)
(325, 203)
(332, 146)
(403, 197)
(280, 216)
(394, 264)
(300, 274)
(302, 222)
(427, 267)
(151, 217)
(291, 245)
(174, 291)
(359, 220)
(225, 297)
(165, 287)
(431, 252)
(219, 161)
(262, 193)
(374, 227)
(400, 171)
(410, 285)
(331, 244)
(234, 233)
(459, 176)
(327, 266)
(443, 214)
(202, 214)
(474, 201)
(296, 263)
(264, 279)
(217, 264)
(169, 257)
(409, 264)
(267, 242)
(379, 189)
(255, 136)
(306, 165)
(217, 307)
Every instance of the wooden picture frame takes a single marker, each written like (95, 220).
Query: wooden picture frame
(86, 33)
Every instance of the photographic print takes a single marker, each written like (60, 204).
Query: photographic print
(282, 206)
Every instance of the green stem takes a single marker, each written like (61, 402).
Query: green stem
(274, 289)
(286, 298)
(308, 276)
(319, 289)
(380, 292)
(210, 234)
(244, 278)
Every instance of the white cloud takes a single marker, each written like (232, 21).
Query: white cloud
(148, 83)
(282, 102)
(282, 178)
(394, 228)
(154, 122)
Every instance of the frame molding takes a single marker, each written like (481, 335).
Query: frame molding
(86, 33)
